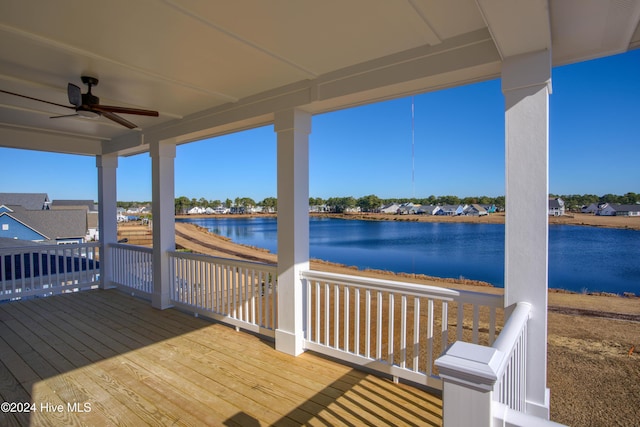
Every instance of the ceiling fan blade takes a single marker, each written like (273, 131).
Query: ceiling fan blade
(36, 99)
(126, 123)
(124, 110)
(66, 115)
(74, 94)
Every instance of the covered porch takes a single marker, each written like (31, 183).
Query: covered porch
(211, 70)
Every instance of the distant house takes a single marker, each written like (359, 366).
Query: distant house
(591, 209)
(313, 208)
(611, 209)
(556, 207)
(606, 209)
(221, 210)
(138, 210)
(452, 210)
(55, 226)
(196, 210)
(428, 209)
(475, 210)
(628, 210)
(391, 208)
(447, 210)
(29, 201)
(408, 209)
(490, 208)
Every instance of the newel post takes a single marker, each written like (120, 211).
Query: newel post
(107, 213)
(293, 128)
(469, 373)
(163, 210)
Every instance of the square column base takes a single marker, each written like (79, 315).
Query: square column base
(289, 343)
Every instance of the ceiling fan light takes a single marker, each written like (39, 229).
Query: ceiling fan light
(87, 114)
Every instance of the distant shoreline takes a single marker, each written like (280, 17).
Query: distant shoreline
(579, 219)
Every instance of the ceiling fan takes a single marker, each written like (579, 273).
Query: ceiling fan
(88, 105)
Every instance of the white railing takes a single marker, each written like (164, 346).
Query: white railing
(492, 379)
(132, 268)
(241, 293)
(510, 389)
(43, 270)
(389, 326)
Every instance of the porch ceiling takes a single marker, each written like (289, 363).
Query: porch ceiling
(216, 67)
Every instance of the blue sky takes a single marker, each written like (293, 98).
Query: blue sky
(457, 149)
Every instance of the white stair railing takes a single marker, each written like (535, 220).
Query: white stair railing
(492, 380)
(510, 387)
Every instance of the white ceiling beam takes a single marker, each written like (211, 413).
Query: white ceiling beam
(463, 52)
(42, 140)
(517, 26)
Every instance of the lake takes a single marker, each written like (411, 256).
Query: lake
(580, 258)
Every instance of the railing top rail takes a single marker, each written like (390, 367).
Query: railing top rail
(513, 327)
(227, 261)
(45, 247)
(481, 298)
(383, 285)
(129, 247)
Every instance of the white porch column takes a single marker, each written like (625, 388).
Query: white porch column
(526, 84)
(107, 213)
(293, 128)
(163, 210)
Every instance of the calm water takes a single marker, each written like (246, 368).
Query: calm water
(580, 258)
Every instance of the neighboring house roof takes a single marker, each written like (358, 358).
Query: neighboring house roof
(74, 204)
(593, 207)
(626, 208)
(92, 220)
(16, 243)
(54, 224)
(429, 209)
(390, 208)
(556, 203)
(475, 208)
(30, 201)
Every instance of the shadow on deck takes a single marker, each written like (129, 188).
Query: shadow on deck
(104, 358)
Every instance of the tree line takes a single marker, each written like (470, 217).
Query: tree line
(574, 202)
(372, 202)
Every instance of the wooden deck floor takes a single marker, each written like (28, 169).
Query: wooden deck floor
(104, 358)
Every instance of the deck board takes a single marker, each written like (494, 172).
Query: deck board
(135, 365)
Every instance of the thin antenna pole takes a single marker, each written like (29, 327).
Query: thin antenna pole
(413, 149)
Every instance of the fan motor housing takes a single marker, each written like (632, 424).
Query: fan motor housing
(89, 99)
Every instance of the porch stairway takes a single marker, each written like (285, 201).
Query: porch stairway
(136, 234)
